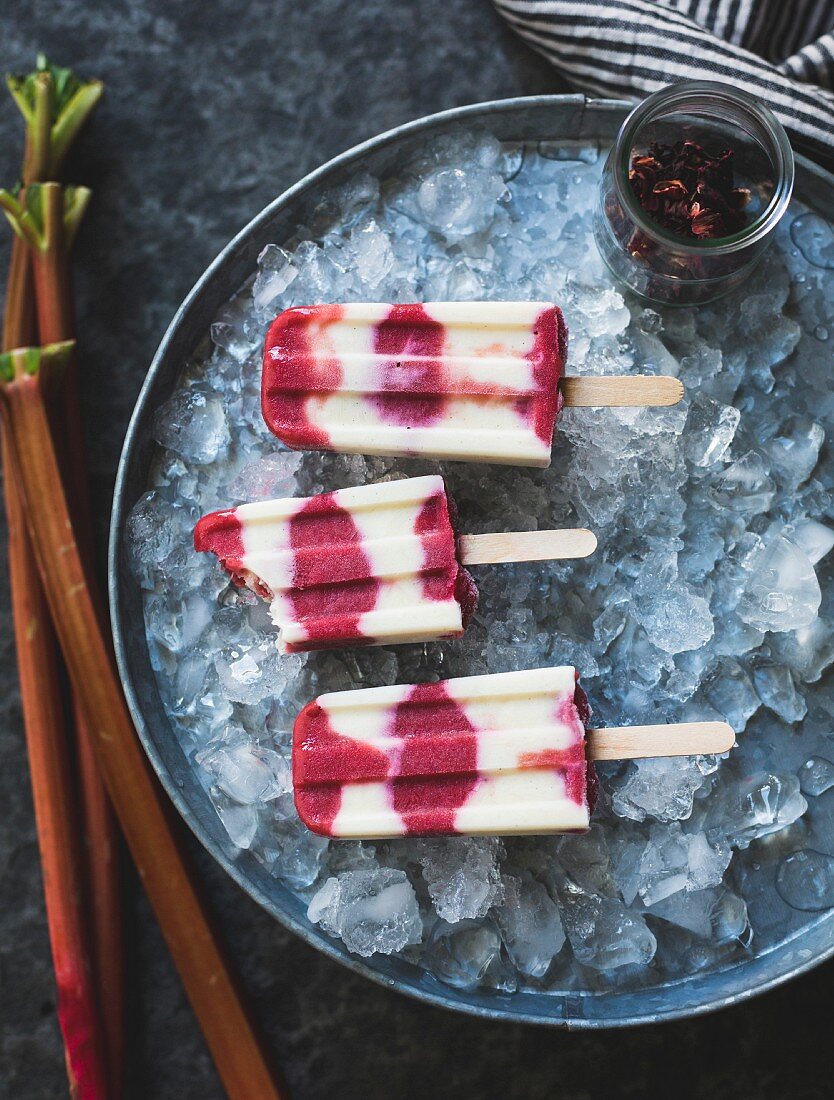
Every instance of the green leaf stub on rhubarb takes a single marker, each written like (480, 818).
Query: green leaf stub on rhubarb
(22, 362)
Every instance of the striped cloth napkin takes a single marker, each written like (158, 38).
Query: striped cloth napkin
(780, 51)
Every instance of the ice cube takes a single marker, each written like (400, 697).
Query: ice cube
(467, 954)
(809, 650)
(662, 868)
(192, 675)
(603, 934)
(710, 428)
(462, 284)
(609, 624)
(813, 538)
(151, 532)
(662, 789)
(814, 237)
(246, 771)
(715, 914)
(734, 638)
(776, 689)
(816, 776)
(193, 424)
(603, 312)
(587, 860)
(320, 277)
(805, 880)
(672, 861)
(229, 333)
(628, 843)
(164, 623)
(757, 806)
(269, 477)
(451, 200)
(795, 452)
(530, 925)
(355, 198)
(462, 875)
(350, 855)
(744, 486)
(276, 273)
(675, 619)
(372, 912)
(703, 367)
(292, 852)
(239, 821)
(782, 592)
(250, 673)
(371, 252)
(729, 689)
(706, 863)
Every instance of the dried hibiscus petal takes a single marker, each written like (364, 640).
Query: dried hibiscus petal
(688, 191)
(707, 224)
(676, 189)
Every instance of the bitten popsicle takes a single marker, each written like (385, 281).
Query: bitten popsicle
(370, 565)
(508, 753)
(477, 381)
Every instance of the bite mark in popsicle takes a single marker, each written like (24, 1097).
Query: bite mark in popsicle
(222, 534)
(368, 565)
(474, 380)
(477, 755)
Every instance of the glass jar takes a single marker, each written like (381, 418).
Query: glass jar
(659, 264)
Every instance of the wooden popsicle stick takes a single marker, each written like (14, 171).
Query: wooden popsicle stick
(627, 390)
(506, 546)
(681, 739)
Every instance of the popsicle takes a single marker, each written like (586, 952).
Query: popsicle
(508, 753)
(375, 564)
(478, 381)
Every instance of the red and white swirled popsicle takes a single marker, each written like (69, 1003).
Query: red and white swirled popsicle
(471, 380)
(372, 565)
(508, 753)
(367, 565)
(478, 755)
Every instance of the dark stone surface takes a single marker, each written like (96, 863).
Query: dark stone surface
(212, 108)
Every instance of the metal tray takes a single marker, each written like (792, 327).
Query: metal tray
(533, 118)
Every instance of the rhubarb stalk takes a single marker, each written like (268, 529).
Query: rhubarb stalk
(47, 221)
(60, 213)
(54, 803)
(19, 311)
(57, 825)
(27, 377)
(55, 104)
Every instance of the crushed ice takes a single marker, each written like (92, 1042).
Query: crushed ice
(706, 598)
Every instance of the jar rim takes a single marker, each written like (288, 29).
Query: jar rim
(677, 96)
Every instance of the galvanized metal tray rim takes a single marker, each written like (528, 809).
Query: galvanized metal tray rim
(567, 1010)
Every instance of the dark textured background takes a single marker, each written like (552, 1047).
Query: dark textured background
(212, 108)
